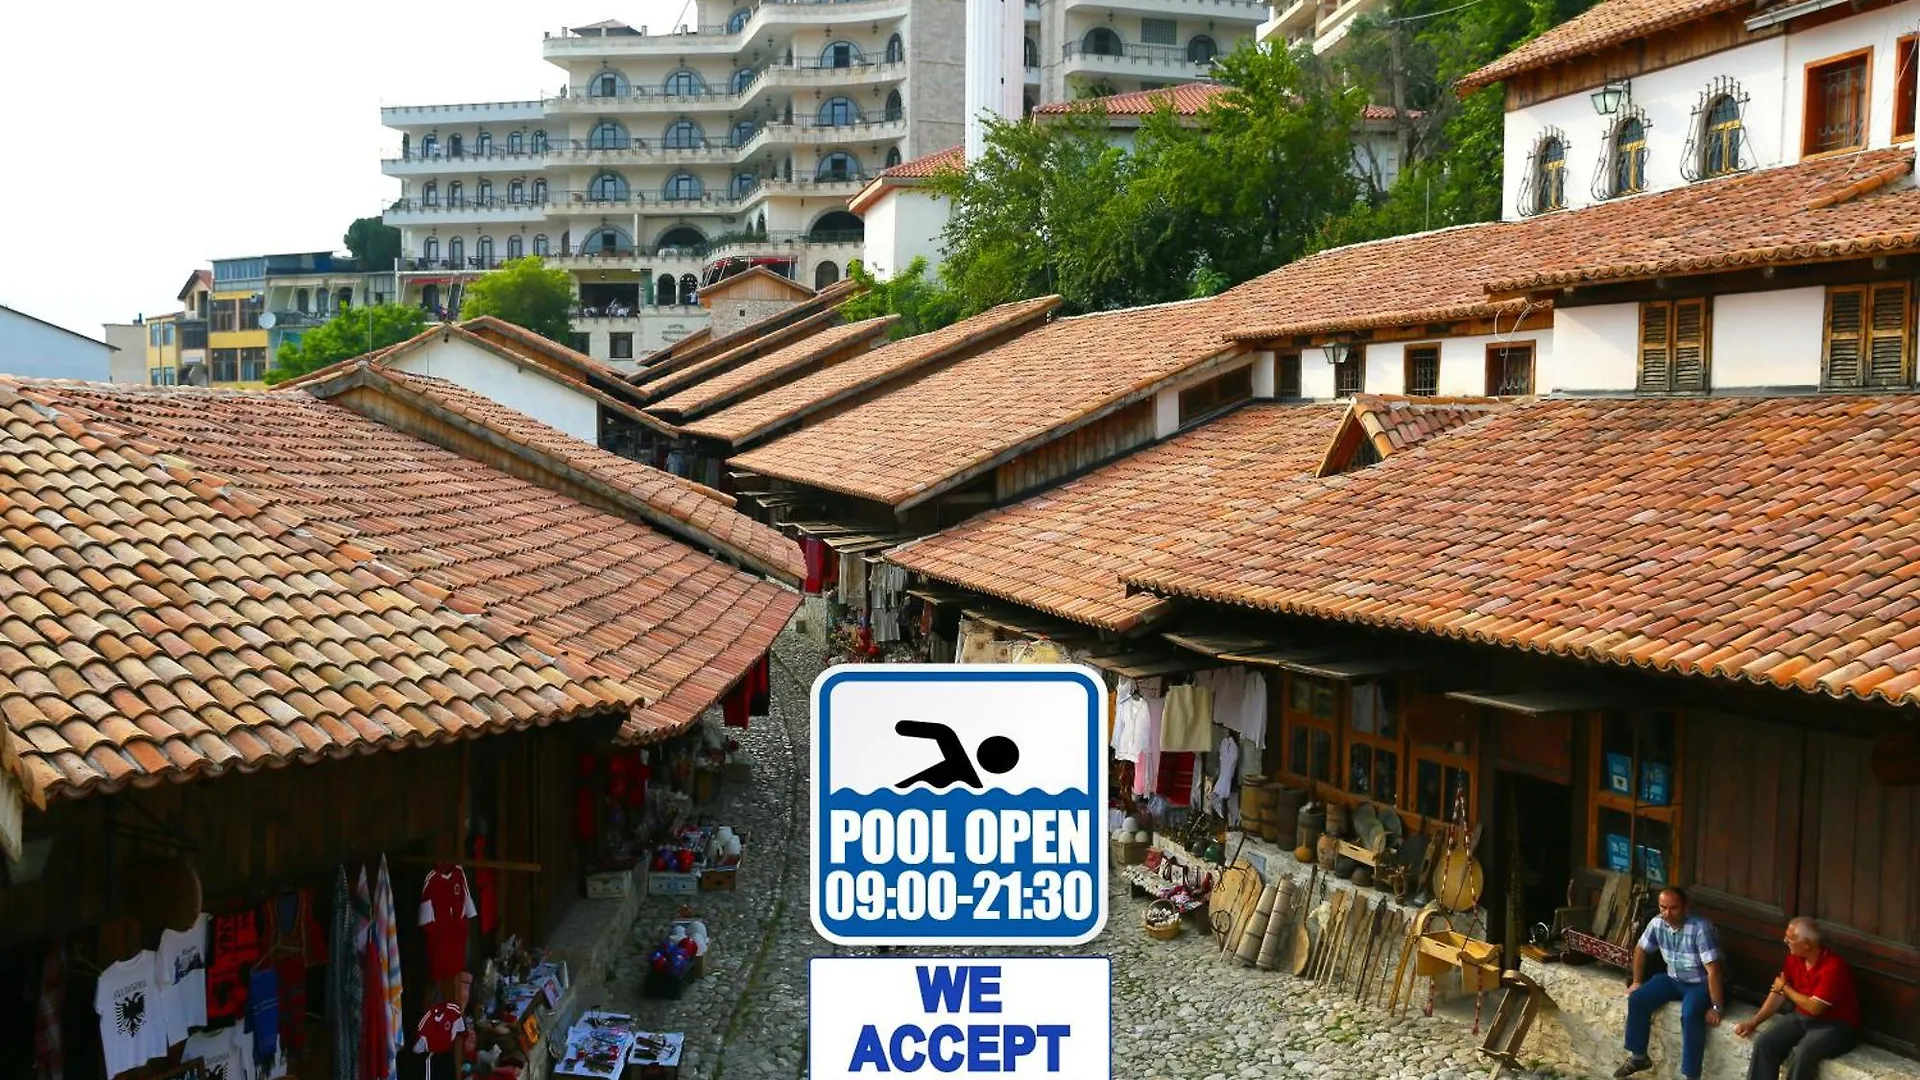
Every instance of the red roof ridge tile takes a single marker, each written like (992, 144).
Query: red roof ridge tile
(723, 388)
(1610, 22)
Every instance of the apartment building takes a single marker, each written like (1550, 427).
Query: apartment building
(1078, 48)
(672, 156)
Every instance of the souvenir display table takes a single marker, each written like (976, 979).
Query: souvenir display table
(655, 1054)
(597, 1046)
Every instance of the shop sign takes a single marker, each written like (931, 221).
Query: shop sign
(959, 804)
(947, 1016)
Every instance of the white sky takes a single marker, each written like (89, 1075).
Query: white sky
(141, 139)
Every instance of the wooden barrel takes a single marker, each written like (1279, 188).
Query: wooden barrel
(1256, 807)
(1337, 819)
(1284, 822)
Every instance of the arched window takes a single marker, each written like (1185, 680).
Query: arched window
(539, 142)
(608, 187)
(1202, 50)
(682, 236)
(1550, 177)
(840, 54)
(743, 184)
(320, 302)
(689, 289)
(838, 165)
(1721, 153)
(607, 84)
(516, 191)
(1630, 156)
(839, 112)
(453, 146)
(1100, 41)
(1030, 54)
(681, 187)
(484, 249)
(343, 299)
(683, 83)
(456, 194)
(665, 294)
(837, 227)
(740, 80)
(825, 274)
(431, 249)
(893, 156)
(483, 146)
(301, 300)
(540, 189)
(742, 133)
(457, 251)
(606, 241)
(485, 193)
(737, 21)
(430, 194)
(516, 247)
(515, 143)
(430, 146)
(896, 49)
(607, 135)
(682, 135)
(540, 244)
(894, 109)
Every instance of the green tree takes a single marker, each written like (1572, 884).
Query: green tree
(374, 244)
(354, 331)
(923, 303)
(523, 292)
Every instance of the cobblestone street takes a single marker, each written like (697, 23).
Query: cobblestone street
(1181, 1012)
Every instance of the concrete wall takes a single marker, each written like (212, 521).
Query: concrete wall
(934, 94)
(1772, 73)
(903, 225)
(1760, 339)
(517, 386)
(35, 349)
(128, 362)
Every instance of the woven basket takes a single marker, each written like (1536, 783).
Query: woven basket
(1161, 931)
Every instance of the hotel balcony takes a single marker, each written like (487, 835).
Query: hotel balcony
(632, 259)
(1331, 30)
(418, 162)
(485, 112)
(809, 131)
(1160, 62)
(1293, 22)
(805, 73)
(631, 151)
(1247, 13)
(609, 41)
(464, 211)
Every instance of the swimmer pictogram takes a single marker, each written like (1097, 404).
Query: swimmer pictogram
(996, 754)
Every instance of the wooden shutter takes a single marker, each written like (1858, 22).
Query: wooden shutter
(1845, 325)
(1656, 345)
(1886, 352)
(1689, 345)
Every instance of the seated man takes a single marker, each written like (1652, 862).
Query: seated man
(1694, 978)
(1823, 1013)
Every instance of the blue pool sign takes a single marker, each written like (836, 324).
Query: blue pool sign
(959, 804)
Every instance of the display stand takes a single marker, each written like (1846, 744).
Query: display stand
(656, 1055)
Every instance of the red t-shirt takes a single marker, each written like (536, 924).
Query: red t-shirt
(439, 1027)
(1830, 980)
(445, 906)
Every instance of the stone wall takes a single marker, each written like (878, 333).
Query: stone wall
(587, 940)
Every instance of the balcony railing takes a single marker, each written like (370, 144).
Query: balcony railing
(568, 37)
(1167, 55)
(442, 154)
(645, 95)
(603, 199)
(465, 262)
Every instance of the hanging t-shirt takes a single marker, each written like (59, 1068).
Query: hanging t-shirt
(445, 906)
(183, 979)
(263, 1016)
(236, 945)
(1146, 741)
(438, 1028)
(132, 1029)
(224, 1058)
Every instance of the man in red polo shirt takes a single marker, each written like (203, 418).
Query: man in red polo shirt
(1823, 1017)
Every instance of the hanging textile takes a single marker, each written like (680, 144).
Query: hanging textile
(49, 1056)
(344, 982)
(386, 934)
(1146, 773)
(736, 706)
(762, 703)
(1176, 777)
(1222, 801)
(236, 946)
(1188, 724)
(375, 1044)
(815, 553)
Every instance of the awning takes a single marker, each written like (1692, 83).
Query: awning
(935, 594)
(1320, 660)
(859, 543)
(1540, 702)
(1142, 663)
(1026, 624)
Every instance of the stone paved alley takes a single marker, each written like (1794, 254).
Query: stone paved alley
(1180, 1011)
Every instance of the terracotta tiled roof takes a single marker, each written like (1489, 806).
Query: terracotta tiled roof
(601, 375)
(1387, 424)
(161, 621)
(906, 446)
(727, 387)
(686, 344)
(1062, 551)
(694, 512)
(1610, 22)
(1759, 539)
(622, 600)
(1187, 99)
(693, 349)
(1436, 276)
(1857, 205)
(953, 157)
(767, 412)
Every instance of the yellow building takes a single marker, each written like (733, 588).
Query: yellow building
(236, 342)
(163, 349)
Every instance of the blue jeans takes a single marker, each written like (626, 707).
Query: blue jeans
(1661, 990)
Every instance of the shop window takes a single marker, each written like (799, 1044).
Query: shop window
(1287, 375)
(1216, 394)
(1905, 84)
(1441, 743)
(1674, 356)
(1510, 369)
(1634, 780)
(1310, 730)
(1350, 375)
(1835, 116)
(1373, 743)
(1868, 337)
(620, 345)
(1423, 370)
